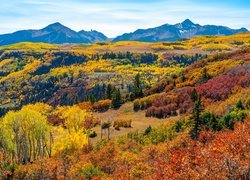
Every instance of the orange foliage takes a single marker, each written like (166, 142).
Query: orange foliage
(102, 105)
(221, 155)
(224, 157)
(85, 105)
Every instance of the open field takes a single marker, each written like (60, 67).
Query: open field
(139, 121)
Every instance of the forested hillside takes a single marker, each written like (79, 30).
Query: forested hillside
(126, 110)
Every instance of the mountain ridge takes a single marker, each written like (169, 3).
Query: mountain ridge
(183, 30)
(55, 33)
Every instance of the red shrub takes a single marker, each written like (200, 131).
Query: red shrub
(56, 121)
(219, 88)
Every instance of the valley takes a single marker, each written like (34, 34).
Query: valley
(126, 110)
(124, 90)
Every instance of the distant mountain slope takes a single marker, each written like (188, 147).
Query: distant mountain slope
(186, 29)
(58, 34)
(55, 33)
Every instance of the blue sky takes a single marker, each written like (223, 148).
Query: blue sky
(115, 17)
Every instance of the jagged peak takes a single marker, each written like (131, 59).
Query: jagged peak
(56, 25)
(187, 22)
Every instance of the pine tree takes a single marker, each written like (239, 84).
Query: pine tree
(205, 75)
(137, 88)
(183, 78)
(92, 98)
(116, 98)
(194, 95)
(196, 117)
(109, 92)
(174, 84)
(239, 105)
(147, 131)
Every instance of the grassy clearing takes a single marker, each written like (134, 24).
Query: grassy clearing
(30, 46)
(139, 121)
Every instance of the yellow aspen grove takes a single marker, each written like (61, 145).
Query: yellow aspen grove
(25, 135)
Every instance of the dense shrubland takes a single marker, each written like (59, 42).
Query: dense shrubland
(140, 154)
(222, 77)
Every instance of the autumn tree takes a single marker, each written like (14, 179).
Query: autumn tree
(75, 118)
(25, 135)
(75, 136)
(43, 108)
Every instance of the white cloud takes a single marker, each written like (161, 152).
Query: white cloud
(39, 3)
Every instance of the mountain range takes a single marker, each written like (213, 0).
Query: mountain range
(58, 34)
(55, 33)
(183, 30)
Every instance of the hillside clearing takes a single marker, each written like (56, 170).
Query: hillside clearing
(139, 121)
